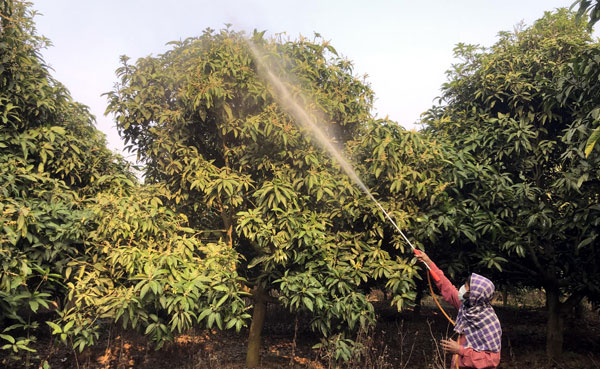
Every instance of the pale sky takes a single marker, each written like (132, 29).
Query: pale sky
(404, 46)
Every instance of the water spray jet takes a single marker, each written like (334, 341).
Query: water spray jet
(292, 107)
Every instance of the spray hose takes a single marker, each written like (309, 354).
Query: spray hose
(437, 302)
(417, 252)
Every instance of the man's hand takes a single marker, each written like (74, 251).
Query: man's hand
(450, 346)
(422, 257)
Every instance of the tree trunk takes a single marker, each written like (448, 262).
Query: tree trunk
(579, 310)
(504, 296)
(555, 327)
(258, 319)
(227, 218)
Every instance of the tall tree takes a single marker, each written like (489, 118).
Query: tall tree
(504, 107)
(79, 236)
(51, 159)
(213, 131)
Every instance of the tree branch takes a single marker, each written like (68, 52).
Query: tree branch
(7, 18)
(536, 261)
(521, 270)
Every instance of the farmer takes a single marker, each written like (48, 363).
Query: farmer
(478, 327)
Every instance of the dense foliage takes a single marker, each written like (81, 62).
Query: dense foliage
(81, 242)
(590, 8)
(143, 267)
(209, 128)
(52, 159)
(241, 207)
(588, 70)
(523, 112)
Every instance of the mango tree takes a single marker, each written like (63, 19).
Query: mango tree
(144, 268)
(80, 239)
(505, 107)
(51, 160)
(211, 130)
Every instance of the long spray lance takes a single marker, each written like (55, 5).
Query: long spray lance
(302, 117)
(417, 252)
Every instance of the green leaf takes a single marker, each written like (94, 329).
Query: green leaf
(591, 142)
(55, 327)
(59, 130)
(26, 348)
(585, 242)
(204, 313)
(219, 320)
(231, 323)
(68, 326)
(308, 303)
(227, 109)
(7, 337)
(221, 301)
(144, 290)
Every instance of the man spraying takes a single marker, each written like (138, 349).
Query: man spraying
(479, 341)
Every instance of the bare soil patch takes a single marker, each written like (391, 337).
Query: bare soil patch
(400, 340)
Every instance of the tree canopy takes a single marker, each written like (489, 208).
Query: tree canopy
(52, 160)
(78, 232)
(511, 109)
(209, 128)
(240, 206)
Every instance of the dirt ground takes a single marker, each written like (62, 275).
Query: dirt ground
(400, 340)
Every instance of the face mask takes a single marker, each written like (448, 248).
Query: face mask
(461, 293)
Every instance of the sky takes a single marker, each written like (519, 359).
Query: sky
(403, 46)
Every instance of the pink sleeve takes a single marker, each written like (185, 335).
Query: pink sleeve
(478, 359)
(448, 291)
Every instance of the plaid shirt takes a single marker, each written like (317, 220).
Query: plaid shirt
(477, 319)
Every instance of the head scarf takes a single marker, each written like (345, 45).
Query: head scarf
(477, 319)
